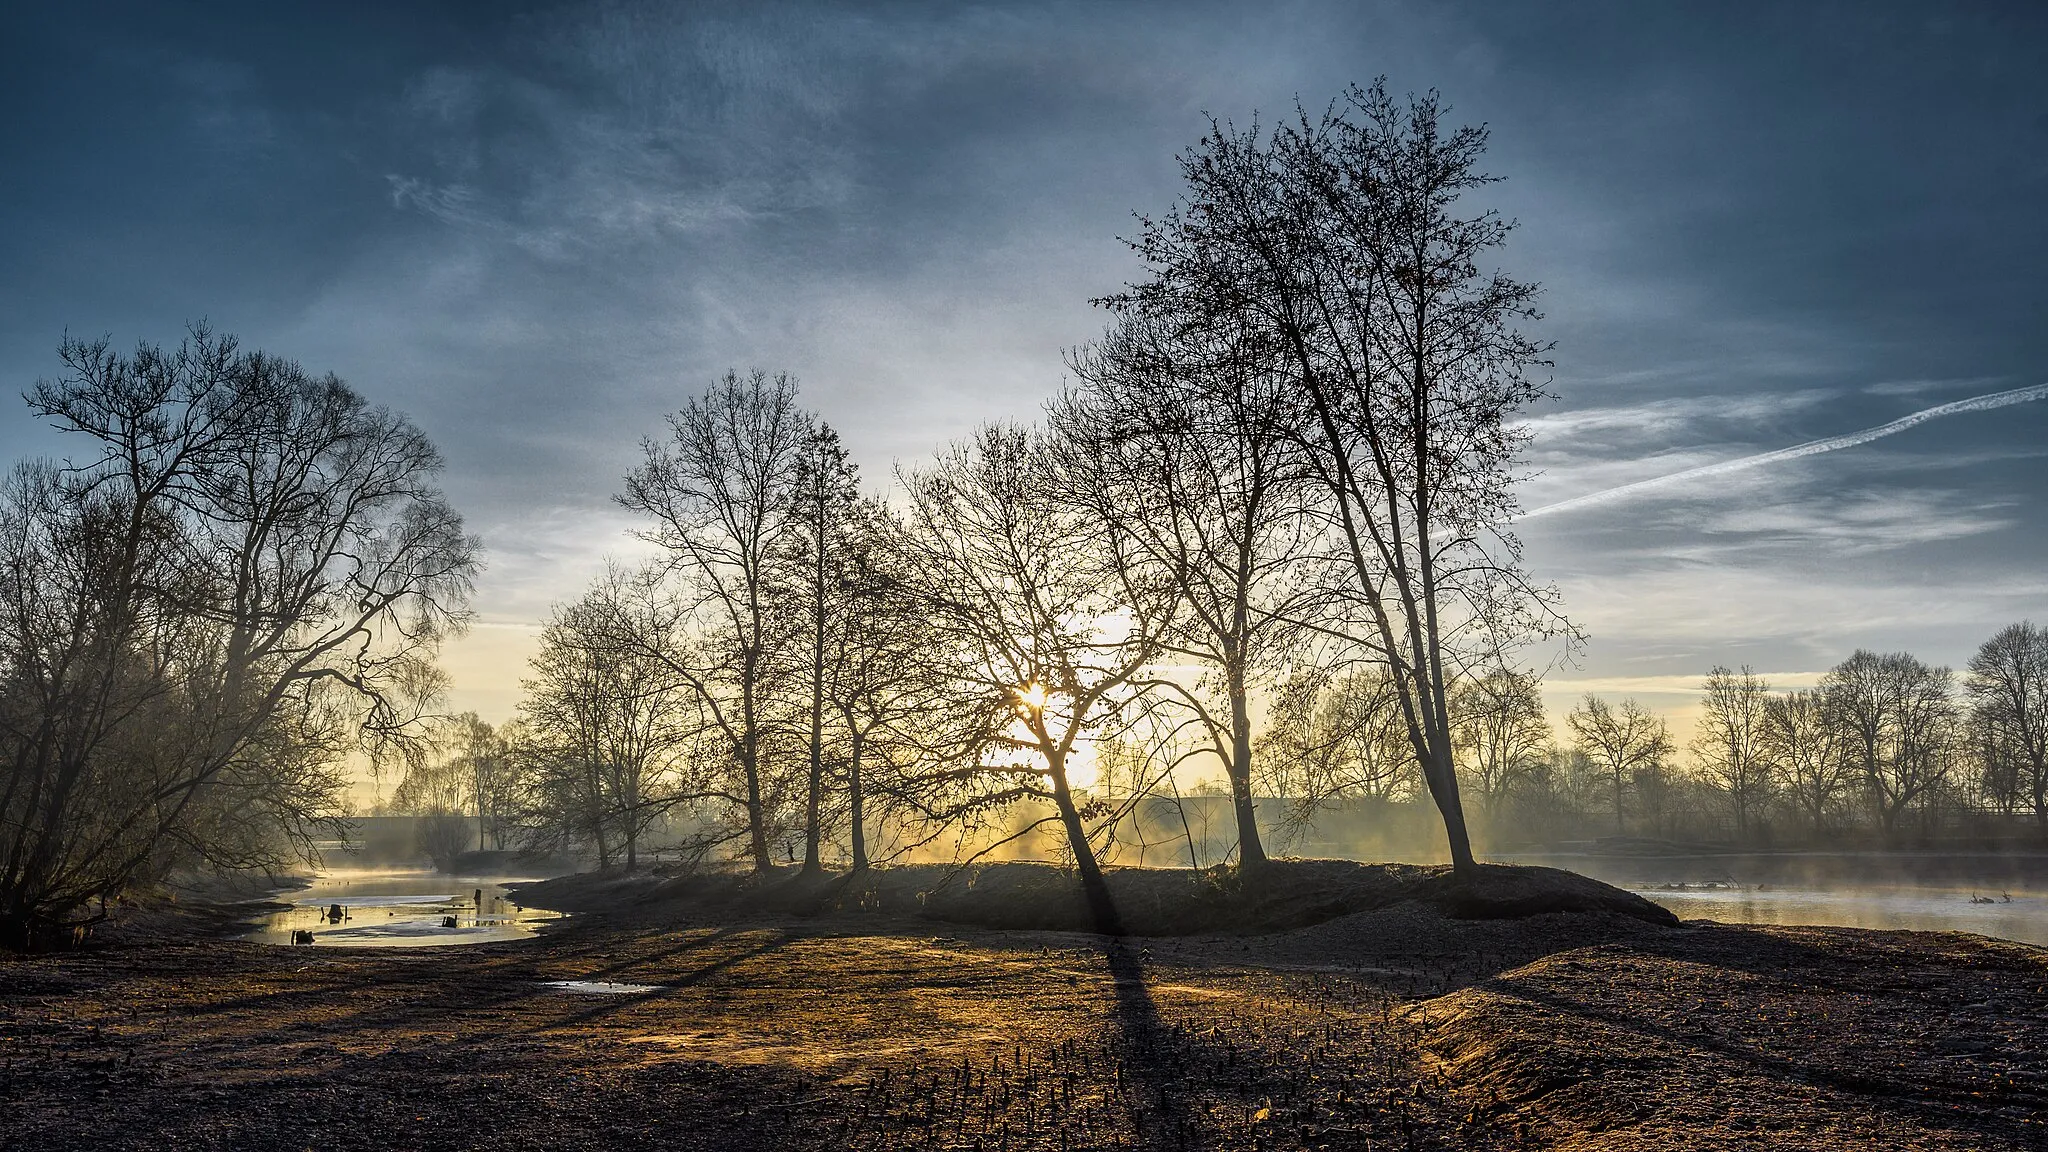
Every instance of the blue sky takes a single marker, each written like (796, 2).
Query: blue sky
(536, 228)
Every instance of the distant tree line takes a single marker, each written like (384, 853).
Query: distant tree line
(1884, 750)
(1886, 747)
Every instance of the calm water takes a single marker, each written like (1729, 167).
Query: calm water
(2021, 916)
(404, 908)
(1930, 893)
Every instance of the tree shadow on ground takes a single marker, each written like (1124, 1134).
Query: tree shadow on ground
(1158, 1112)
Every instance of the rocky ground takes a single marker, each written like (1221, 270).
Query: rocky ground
(1394, 1027)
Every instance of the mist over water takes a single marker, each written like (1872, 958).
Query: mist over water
(1896, 891)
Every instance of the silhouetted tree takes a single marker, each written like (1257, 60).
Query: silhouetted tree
(1179, 444)
(1899, 718)
(1341, 242)
(2008, 683)
(468, 769)
(720, 491)
(877, 682)
(1731, 743)
(824, 493)
(249, 568)
(1035, 653)
(1335, 736)
(1809, 747)
(1624, 743)
(1501, 732)
(611, 721)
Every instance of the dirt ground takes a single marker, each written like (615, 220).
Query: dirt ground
(1390, 1029)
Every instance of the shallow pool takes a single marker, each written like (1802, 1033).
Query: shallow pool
(403, 908)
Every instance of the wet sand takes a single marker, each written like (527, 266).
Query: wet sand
(1389, 1029)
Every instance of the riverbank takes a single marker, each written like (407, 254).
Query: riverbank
(731, 1027)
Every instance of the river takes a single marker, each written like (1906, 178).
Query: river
(1990, 894)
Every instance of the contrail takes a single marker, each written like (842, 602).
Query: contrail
(1810, 448)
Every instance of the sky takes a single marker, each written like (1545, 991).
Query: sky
(536, 228)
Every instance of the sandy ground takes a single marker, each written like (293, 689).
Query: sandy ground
(1394, 1029)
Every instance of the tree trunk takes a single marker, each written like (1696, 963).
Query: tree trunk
(856, 804)
(815, 786)
(812, 863)
(750, 764)
(1100, 907)
(1251, 852)
(1443, 788)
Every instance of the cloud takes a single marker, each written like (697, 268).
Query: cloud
(1672, 414)
(1687, 684)
(1680, 479)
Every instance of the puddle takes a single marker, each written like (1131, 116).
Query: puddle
(402, 908)
(601, 987)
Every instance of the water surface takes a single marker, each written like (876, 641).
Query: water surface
(1926, 892)
(404, 908)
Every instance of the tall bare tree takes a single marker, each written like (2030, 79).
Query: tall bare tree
(249, 565)
(1809, 749)
(1899, 716)
(1037, 651)
(876, 679)
(1624, 742)
(824, 493)
(1731, 741)
(720, 492)
(1178, 441)
(2008, 683)
(1341, 240)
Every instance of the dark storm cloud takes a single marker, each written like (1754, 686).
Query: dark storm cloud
(536, 228)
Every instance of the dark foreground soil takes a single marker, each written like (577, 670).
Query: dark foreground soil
(1404, 1026)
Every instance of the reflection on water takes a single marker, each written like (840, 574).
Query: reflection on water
(405, 908)
(2021, 917)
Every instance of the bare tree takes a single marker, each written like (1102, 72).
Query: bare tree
(1501, 732)
(876, 681)
(1899, 716)
(824, 493)
(1335, 736)
(1809, 749)
(2008, 683)
(1179, 444)
(612, 721)
(1340, 240)
(1731, 741)
(719, 490)
(469, 769)
(250, 567)
(1036, 651)
(1623, 742)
